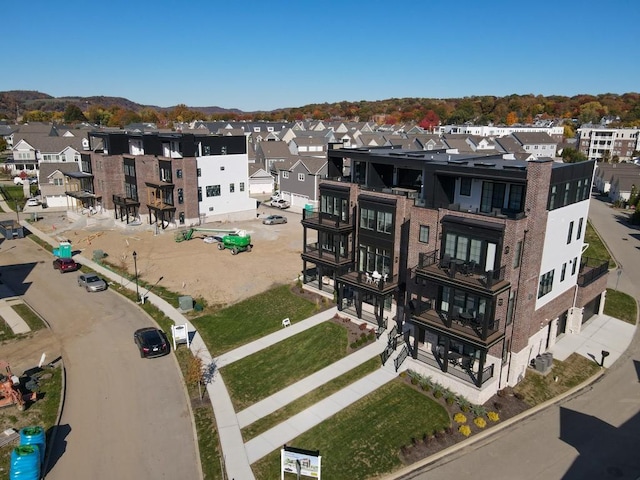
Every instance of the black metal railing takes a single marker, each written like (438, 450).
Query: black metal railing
(404, 353)
(324, 218)
(463, 371)
(591, 269)
(456, 268)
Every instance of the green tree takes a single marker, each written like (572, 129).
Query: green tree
(571, 155)
(73, 114)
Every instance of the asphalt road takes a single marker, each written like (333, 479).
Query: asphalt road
(592, 435)
(123, 416)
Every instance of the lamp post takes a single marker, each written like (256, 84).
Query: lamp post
(605, 354)
(135, 268)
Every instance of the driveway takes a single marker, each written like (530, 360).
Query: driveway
(123, 416)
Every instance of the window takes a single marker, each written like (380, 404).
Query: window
(517, 254)
(424, 234)
(367, 219)
(301, 177)
(574, 266)
(552, 197)
(213, 190)
(385, 222)
(242, 186)
(222, 168)
(579, 234)
(510, 306)
(179, 173)
(223, 150)
(199, 172)
(465, 187)
(285, 174)
(546, 283)
(232, 187)
(199, 194)
(58, 182)
(567, 187)
(570, 234)
(180, 195)
(516, 194)
(563, 271)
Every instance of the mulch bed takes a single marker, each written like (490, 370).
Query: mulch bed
(505, 404)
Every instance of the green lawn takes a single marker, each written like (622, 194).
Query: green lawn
(263, 424)
(268, 371)
(597, 249)
(620, 305)
(29, 316)
(364, 440)
(252, 319)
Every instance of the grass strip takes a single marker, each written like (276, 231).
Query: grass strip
(620, 305)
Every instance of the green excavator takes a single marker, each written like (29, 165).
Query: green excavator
(235, 240)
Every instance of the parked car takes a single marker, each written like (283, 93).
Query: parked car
(275, 196)
(33, 202)
(274, 219)
(92, 282)
(151, 342)
(281, 204)
(65, 265)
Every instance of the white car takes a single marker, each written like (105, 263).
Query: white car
(281, 204)
(33, 202)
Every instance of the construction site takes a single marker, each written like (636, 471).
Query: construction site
(189, 265)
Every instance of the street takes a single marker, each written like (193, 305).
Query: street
(123, 416)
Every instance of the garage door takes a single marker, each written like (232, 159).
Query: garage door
(591, 308)
(299, 200)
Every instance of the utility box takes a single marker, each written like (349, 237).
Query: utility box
(63, 250)
(185, 303)
(98, 255)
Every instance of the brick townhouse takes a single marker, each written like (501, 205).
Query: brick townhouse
(163, 179)
(472, 263)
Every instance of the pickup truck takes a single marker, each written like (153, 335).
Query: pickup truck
(280, 203)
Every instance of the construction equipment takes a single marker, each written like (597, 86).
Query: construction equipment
(234, 240)
(10, 392)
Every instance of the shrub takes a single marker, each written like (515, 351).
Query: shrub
(480, 422)
(459, 418)
(363, 326)
(465, 430)
(464, 404)
(479, 411)
(425, 385)
(493, 416)
(438, 390)
(449, 397)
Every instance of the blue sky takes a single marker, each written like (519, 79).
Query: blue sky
(261, 55)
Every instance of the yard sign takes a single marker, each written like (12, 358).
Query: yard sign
(300, 462)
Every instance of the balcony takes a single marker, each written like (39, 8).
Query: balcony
(313, 252)
(473, 328)
(501, 213)
(316, 220)
(591, 269)
(365, 281)
(457, 272)
(464, 368)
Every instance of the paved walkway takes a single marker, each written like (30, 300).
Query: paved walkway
(612, 335)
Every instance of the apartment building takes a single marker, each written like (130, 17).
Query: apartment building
(164, 179)
(603, 144)
(473, 261)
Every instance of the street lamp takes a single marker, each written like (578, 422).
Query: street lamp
(135, 268)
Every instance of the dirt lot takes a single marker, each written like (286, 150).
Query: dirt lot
(192, 267)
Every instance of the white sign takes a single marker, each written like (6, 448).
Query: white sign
(180, 334)
(300, 462)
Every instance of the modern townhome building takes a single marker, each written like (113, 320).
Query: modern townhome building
(474, 261)
(603, 143)
(173, 179)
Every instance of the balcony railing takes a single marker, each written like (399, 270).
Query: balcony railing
(456, 207)
(591, 269)
(460, 270)
(466, 324)
(315, 251)
(465, 369)
(317, 218)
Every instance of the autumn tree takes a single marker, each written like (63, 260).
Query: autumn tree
(430, 121)
(571, 155)
(194, 375)
(512, 117)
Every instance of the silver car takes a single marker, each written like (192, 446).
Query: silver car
(274, 219)
(92, 282)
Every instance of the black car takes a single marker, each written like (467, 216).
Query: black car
(151, 342)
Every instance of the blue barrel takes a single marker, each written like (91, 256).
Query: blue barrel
(25, 463)
(34, 436)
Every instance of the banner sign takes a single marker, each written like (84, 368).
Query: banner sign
(300, 462)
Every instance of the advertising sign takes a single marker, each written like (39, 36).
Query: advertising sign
(300, 462)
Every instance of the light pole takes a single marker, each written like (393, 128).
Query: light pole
(135, 268)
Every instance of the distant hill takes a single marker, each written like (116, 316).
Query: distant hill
(25, 100)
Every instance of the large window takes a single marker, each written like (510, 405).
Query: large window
(213, 190)
(375, 259)
(462, 247)
(492, 196)
(335, 206)
(516, 196)
(367, 218)
(465, 187)
(458, 301)
(546, 283)
(385, 222)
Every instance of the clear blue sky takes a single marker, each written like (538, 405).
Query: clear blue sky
(264, 55)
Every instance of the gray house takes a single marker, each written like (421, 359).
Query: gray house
(299, 183)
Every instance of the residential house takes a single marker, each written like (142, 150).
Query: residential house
(473, 261)
(53, 182)
(270, 153)
(537, 143)
(299, 184)
(261, 182)
(609, 173)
